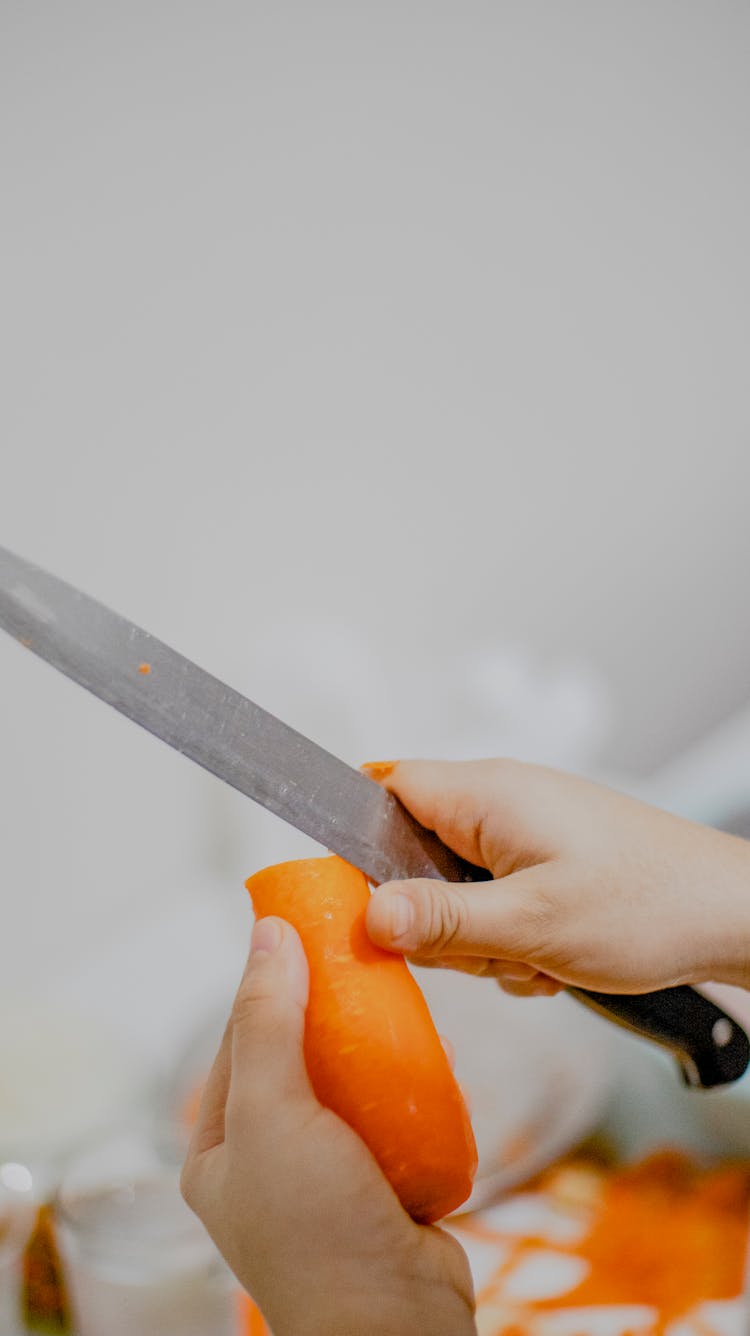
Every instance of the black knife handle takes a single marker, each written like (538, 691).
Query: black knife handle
(711, 1049)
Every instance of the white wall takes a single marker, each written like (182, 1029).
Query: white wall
(421, 324)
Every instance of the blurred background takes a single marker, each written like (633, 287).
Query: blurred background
(391, 361)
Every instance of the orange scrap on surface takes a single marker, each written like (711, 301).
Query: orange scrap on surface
(144, 668)
(701, 1217)
(665, 1233)
(372, 1050)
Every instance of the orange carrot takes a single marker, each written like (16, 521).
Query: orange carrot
(372, 1051)
(250, 1320)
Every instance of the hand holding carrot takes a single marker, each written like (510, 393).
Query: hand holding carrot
(292, 1197)
(592, 888)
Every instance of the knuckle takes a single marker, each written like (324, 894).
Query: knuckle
(257, 996)
(258, 1022)
(537, 921)
(244, 1114)
(502, 776)
(441, 917)
(244, 1008)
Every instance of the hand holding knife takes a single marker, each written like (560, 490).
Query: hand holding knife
(302, 783)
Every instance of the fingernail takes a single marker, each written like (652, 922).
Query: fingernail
(402, 915)
(379, 770)
(266, 937)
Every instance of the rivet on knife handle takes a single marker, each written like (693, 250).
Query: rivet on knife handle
(711, 1049)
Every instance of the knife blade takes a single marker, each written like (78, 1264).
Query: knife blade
(302, 783)
(220, 729)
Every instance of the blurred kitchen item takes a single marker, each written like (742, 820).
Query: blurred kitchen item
(15, 1222)
(11, 1252)
(536, 1074)
(256, 753)
(65, 1077)
(136, 1259)
(46, 1306)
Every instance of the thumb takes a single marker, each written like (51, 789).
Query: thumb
(514, 918)
(268, 1019)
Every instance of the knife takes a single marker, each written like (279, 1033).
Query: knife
(305, 785)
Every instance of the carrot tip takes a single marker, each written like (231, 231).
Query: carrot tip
(144, 668)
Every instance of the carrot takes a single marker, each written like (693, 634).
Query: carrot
(250, 1320)
(372, 1051)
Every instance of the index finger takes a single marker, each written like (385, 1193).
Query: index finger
(474, 807)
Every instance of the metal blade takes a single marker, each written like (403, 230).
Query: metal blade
(223, 731)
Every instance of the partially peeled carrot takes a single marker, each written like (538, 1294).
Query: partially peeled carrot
(371, 1048)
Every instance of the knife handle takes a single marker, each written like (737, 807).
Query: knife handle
(711, 1049)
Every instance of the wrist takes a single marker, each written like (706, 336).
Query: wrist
(439, 1321)
(385, 1312)
(729, 883)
